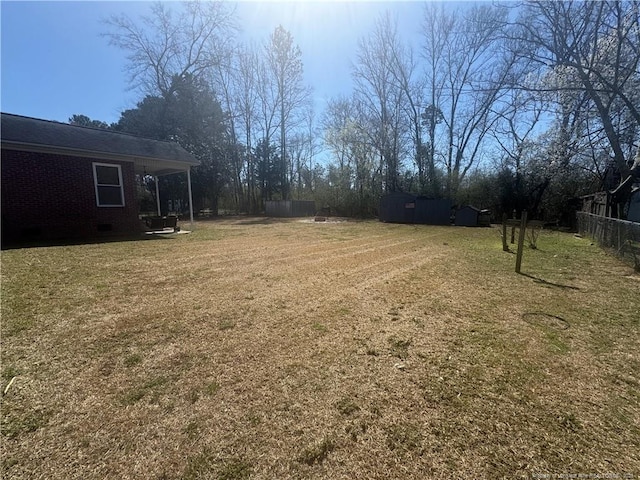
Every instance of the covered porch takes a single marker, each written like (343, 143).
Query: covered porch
(160, 168)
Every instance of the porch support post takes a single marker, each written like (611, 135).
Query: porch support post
(190, 196)
(157, 195)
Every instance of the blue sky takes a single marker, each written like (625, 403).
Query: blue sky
(55, 63)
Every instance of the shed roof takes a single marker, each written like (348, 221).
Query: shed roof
(151, 156)
(469, 207)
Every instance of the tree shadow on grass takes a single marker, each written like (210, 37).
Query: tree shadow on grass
(544, 319)
(548, 283)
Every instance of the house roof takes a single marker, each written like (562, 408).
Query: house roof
(150, 156)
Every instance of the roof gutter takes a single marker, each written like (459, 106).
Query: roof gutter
(76, 152)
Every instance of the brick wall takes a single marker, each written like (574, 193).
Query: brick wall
(53, 196)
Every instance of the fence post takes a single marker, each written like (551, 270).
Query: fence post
(505, 247)
(523, 228)
(619, 240)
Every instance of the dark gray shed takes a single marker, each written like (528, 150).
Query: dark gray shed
(469, 216)
(397, 207)
(432, 211)
(401, 207)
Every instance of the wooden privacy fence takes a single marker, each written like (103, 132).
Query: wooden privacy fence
(290, 208)
(618, 236)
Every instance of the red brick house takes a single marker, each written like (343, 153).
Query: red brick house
(64, 181)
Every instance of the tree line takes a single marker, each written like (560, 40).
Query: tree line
(500, 106)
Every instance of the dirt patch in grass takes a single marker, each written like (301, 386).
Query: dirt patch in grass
(266, 349)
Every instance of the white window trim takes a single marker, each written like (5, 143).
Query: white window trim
(95, 183)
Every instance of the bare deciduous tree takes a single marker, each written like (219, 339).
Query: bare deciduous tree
(246, 91)
(589, 47)
(381, 98)
(284, 63)
(466, 75)
(164, 45)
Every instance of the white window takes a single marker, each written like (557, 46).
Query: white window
(108, 181)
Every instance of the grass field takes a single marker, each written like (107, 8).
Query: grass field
(253, 348)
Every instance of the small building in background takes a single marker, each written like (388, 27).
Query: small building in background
(598, 203)
(432, 211)
(290, 208)
(400, 207)
(469, 216)
(397, 207)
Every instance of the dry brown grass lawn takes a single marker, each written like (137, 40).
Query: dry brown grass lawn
(259, 349)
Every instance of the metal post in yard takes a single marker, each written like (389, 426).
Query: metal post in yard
(190, 197)
(157, 196)
(523, 229)
(505, 247)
